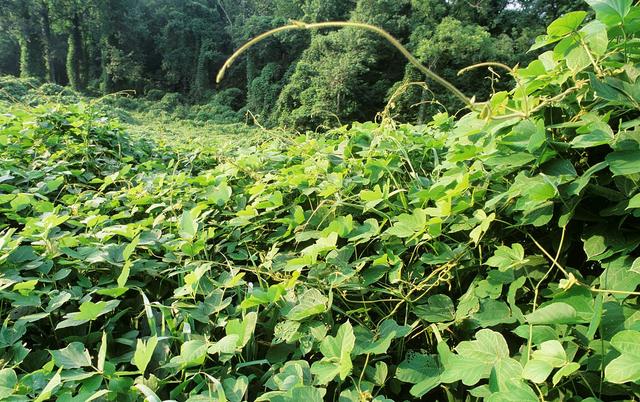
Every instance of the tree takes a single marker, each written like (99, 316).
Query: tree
(9, 55)
(23, 21)
(344, 75)
(267, 65)
(449, 36)
(192, 42)
(72, 20)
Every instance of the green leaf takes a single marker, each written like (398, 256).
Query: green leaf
(235, 388)
(307, 394)
(380, 373)
(595, 137)
(75, 355)
(635, 266)
(25, 287)
(517, 391)
(243, 330)
(577, 58)
(53, 383)
(372, 198)
(192, 353)
(492, 313)
(511, 160)
(144, 353)
(565, 371)
(634, 202)
(554, 313)
(551, 352)
(566, 24)
(609, 92)
(188, 227)
(506, 374)
(421, 370)
(322, 245)
(505, 258)
(611, 12)
(596, 317)
(549, 355)
(364, 232)
(408, 225)
(260, 296)
(379, 341)
(286, 331)
(537, 371)
(439, 308)
(225, 346)
(148, 393)
(102, 352)
(594, 245)
(130, 248)
(620, 276)
(337, 355)
(220, 194)
(311, 302)
(325, 371)
(527, 135)
(124, 274)
(624, 162)
(89, 311)
(483, 226)
(8, 382)
(595, 36)
(626, 367)
(475, 360)
(342, 225)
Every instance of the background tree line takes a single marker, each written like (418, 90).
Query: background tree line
(301, 79)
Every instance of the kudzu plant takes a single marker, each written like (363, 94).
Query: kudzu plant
(492, 256)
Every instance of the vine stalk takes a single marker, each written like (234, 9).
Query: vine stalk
(297, 25)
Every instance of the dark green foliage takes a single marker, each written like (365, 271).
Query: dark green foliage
(170, 101)
(325, 84)
(32, 62)
(10, 51)
(343, 75)
(15, 89)
(263, 91)
(453, 46)
(192, 42)
(154, 94)
(30, 91)
(74, 56)
(221, 108)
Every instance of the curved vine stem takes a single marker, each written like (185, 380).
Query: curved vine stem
(487, 64)
(525, 101)
(295, 25)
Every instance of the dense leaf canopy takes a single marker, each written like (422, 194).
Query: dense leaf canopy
(488, 255)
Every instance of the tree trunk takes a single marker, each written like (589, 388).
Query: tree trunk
(251, 68)
(48, 42)
(422, 109)
(74, 55)
(202, 70)
(32, 63)
(106, 83)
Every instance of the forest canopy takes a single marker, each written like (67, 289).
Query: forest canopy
(297, 79)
